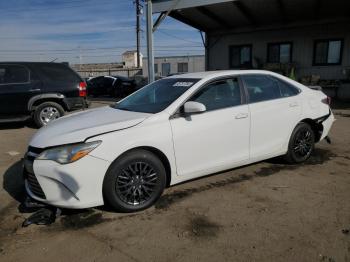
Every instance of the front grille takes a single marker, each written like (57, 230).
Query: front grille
(33, 183)
(34, 186)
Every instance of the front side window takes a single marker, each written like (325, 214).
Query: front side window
(279, 53)
(157, 96)
(182, 67)
(13, 74)
(240, 56)
(261, 88)
(328, 52)
(220, 94)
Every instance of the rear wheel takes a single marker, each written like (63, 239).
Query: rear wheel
(47, 112)
(301, 144)
(135, 181)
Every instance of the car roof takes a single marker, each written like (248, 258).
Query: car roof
(221, 73)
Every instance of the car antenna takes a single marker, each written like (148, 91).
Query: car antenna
(53, 60)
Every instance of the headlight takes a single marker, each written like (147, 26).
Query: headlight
(68, 154)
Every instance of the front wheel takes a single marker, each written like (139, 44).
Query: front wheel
(135, 181)
(47, 112)
(301, 144)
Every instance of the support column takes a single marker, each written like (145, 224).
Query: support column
(150, 54)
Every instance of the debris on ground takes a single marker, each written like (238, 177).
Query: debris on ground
(13, 153)
(44, 216)
(345, 231)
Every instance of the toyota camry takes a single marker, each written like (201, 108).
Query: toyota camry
(175, 129)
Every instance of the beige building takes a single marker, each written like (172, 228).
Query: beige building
(130, 59)
(169, 65)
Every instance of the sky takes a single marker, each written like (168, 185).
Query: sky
(86, 31)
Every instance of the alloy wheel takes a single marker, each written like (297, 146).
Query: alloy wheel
(49, 114)
(137, 183)
(303, 143)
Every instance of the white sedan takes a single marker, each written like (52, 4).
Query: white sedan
(172, 130)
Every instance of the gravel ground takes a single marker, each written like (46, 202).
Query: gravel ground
(268, 211)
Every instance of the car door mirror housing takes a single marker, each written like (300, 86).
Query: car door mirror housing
(192, 107)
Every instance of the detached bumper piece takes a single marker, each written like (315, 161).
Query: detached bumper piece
(44, 216)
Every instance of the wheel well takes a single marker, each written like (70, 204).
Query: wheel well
(43, 100)
(316, 127)
(162, 158)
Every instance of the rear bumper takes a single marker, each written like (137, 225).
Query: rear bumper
(327, 123)
(73, 103)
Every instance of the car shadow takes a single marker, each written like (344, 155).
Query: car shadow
(13, 182)
(17, 125)
(104, 99)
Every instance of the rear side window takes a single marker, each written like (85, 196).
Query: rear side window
(14, 74)
(286, 89)
(261, 88)
(58, 72)
(220, 94)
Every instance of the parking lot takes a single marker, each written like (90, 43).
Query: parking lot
(268, 211)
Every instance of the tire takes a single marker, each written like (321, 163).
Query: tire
(134, 181)
(47, 112)
(301, 144)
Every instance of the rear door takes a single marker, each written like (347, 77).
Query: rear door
(17, 85)
(275, 109)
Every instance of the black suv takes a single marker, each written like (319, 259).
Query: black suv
(41, 91)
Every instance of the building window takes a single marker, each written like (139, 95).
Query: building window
(279, 53)
(156, 68)
(328, 52)
(182, 67)
(240, 56)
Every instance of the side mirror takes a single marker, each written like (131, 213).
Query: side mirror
(194, 108)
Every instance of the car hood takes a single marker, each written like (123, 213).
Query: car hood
(77, 127)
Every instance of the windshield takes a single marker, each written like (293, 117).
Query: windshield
(157, 96)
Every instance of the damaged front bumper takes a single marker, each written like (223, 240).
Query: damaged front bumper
(76, 185)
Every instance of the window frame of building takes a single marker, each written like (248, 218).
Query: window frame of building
(156, 68)
(180, 65)
(231, 47)
(279, 44)
(318, 41)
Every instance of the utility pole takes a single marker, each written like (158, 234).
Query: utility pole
(150, 53)
(138, 30)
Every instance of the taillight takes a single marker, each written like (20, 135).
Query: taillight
(82, 89)
(326, 100)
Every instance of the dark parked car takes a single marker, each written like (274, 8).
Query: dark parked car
(115, 86)
(41, 91)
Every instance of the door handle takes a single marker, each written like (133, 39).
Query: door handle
(293, 104)
(241, 116)
(34, 90)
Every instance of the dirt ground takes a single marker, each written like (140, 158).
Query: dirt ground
(263, 212)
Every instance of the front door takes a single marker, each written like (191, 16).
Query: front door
(216, 139)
